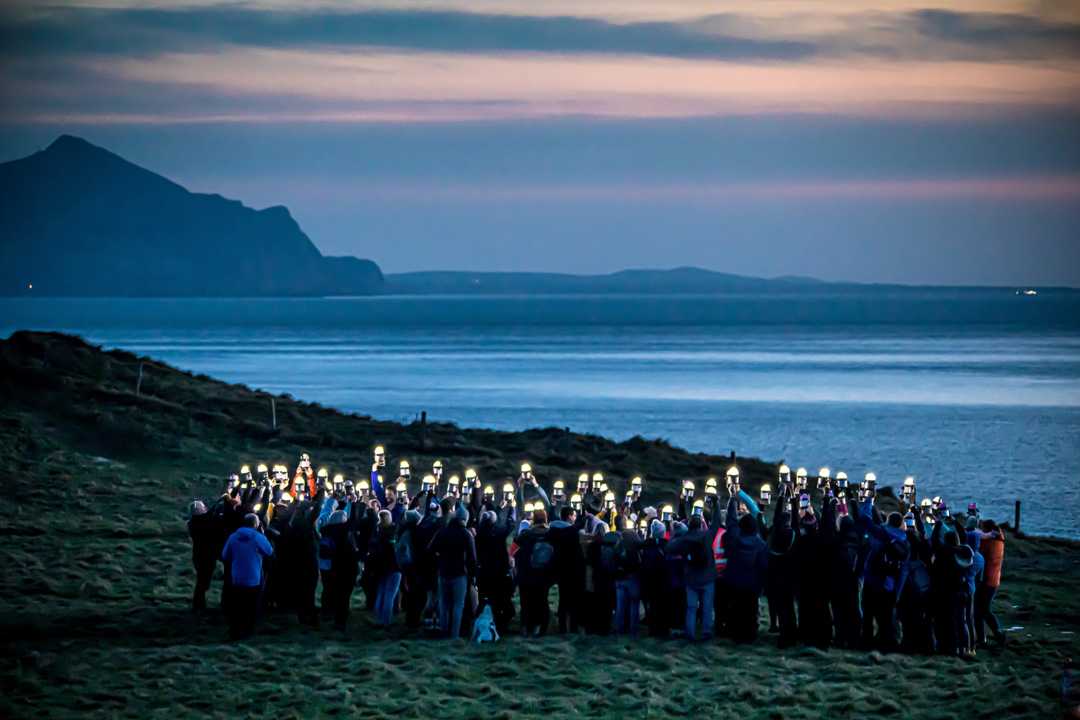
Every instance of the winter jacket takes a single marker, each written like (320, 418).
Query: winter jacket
(243, 555)
(886, 561)
(454, 550)
(747, 555)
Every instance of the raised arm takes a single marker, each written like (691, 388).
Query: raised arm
(377, 487)
(543, 495)
(749, 502)
(828, 518)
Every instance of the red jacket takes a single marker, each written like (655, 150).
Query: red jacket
(992, 548)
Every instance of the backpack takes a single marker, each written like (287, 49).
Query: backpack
(889, 561)
(610, 547)
(918, 578)
(403, 550)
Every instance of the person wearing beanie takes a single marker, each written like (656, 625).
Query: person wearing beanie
(454, 551)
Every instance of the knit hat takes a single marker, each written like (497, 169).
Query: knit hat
(462, 514)
(523, 526)
(679, 528)
(657, 529)
(650, 512)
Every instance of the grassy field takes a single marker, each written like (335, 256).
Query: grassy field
(96, 578)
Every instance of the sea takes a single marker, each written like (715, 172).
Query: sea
(975, 392)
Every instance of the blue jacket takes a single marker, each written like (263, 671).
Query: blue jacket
(243, 554)
(879, 538)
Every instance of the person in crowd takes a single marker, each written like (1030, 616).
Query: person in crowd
(304, 556)
(915, 602)
(675, 562)
(628, 583)
(884, 574)
(535, 561)
(383, 557)
(418, 591)
(812, 561)
(992, 547)
(495, 585)
(655, 589)
(844, 573)
(326, 556)
(974, 578)
(782, 574)
(243, 555)
(344, 559)
(695, 546)
(455, 553)
(747, 566)
(207, 539)
(953, 569)
(569, 567)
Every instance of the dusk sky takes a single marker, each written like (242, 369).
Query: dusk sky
(885, 140)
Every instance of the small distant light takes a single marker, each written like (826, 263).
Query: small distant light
(29, 286)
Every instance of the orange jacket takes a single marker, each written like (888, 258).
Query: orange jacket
(992, 548)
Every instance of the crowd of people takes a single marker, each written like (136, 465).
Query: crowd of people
(833, 569)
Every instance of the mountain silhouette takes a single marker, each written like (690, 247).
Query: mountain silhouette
(78, 220)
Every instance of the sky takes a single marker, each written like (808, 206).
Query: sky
(869, 140)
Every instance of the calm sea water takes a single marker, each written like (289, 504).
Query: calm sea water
(976, 393)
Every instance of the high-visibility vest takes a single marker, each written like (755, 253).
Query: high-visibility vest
(718, 552)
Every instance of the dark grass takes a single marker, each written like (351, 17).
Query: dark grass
(96, 579)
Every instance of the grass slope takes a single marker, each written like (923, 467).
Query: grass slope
(95, 589)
